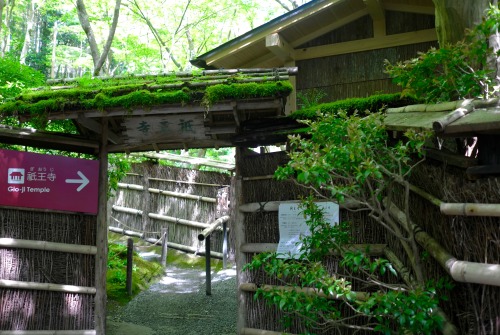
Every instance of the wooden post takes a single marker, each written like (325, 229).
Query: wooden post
(207, 266)
(224, 245)
(239, 235)
(130, 265)
(101, 259)
(145, 198)
(164, 246)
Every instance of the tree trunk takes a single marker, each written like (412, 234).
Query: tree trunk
(2, 6)
(454, 16)
(7, 24)
(136, 9)
(83, 17)
(54, 44)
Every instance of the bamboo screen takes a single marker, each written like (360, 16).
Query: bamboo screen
(26, 309)
(474, 309)
(262, 227)
(172, 179)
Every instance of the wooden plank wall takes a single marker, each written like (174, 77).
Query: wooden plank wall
(360, 74)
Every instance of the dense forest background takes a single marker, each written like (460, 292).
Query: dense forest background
(66, 39)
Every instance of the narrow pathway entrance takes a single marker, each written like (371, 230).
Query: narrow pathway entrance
(177, 305)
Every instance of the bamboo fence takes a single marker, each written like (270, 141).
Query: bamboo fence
(153, 197)
(472, 308)
(47, 271)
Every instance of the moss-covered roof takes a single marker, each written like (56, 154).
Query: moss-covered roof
(150, 112)
(202, 87)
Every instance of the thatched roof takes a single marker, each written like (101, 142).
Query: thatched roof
(144, 113)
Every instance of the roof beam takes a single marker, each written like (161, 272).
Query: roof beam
(280, 47)
(399, 7)
(47, 140)
(377, 13)
(97, 128)
(261, 35)
(329, 27)
(374, 43)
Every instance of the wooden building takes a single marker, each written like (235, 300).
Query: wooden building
(338, 46)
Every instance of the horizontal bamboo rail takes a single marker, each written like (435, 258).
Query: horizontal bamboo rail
(172, 245)
(255, 331)
(172, 219)
(190, 160)
(461, 271)
(470, 209)
(273, 206)
(464, 209)
(373, 249)
(168, 193)
(127, 210)
(266, 177)
(214, 225)
(48, 332)
(187, 182)
(48, 246)
(183, 195)
(251, 287)
(23, 285)
(291, 71)
(126, 232)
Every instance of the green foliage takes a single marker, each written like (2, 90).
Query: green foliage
(388, 308)
(361, 105)
(309, 98)
(15, 77)
(345, 154)
(452, 72)
(143, 273)
(348, 156)
(118, 166)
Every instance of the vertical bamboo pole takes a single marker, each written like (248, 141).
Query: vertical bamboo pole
(130, 265)
(164, 246)
(239, 232)
(224, 245)
(101, 258)
(145, 198)
(207, 266)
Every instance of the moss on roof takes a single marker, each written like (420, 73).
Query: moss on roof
(372, 103)
(145, 91)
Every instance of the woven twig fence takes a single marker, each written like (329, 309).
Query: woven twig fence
(46, 307)
(155, 196)
(261, 226)
(473, 308)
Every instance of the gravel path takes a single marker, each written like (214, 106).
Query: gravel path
(178, 305)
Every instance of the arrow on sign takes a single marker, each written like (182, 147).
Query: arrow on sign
(83, 181)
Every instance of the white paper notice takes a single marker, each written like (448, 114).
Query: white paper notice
(292, 225)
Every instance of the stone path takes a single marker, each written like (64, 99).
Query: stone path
(177, 305)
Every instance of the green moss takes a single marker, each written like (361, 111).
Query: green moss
(372, 104)
(129, 92)
(247, 90)
(143, 273)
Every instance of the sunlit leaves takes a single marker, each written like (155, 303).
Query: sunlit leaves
(455, 71)
(345, 152)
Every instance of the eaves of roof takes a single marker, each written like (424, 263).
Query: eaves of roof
(266, 28)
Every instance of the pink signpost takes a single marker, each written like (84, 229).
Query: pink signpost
(50, 182)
